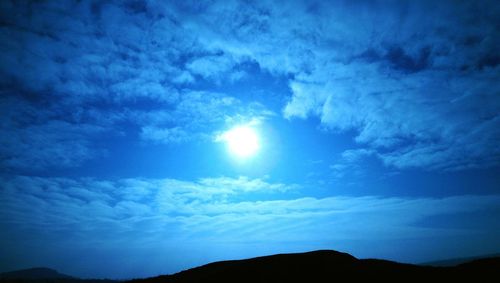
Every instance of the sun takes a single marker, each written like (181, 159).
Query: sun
(241, 141)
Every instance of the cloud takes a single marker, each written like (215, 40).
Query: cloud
(30, 139)
(164, 135)
(93, 203)
(354, 155)
(81, 71)
(243, 184)
(379, 74)
(162, 213)
(410, 79)
(93, 52)
(211, 66)
(197, 115)
(349, 163)
(393, 97)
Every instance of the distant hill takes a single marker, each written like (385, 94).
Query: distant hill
(44, 275)
(35, 273)
(457, 261)
(325, 266)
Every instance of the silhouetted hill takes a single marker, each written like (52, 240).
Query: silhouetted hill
(324, 266)
(457, 261)
(484, 265)
(35, 273)
(317, 266)
(44, 275)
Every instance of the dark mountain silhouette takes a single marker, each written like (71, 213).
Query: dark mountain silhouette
(316, 266)
(44, 275)
(325, 266)
(457, 261)
(34, 273)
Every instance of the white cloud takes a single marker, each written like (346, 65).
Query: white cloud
(197, 115)
(387, 77)
(354, 155)
(211, 66)
(349, 164)
(164, 135)
(206, 210)
(243, 184)
(55, 143)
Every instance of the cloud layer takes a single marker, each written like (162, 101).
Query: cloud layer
(75, 73)
(416, 82)
(60, 216)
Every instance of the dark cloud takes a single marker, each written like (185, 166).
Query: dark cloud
(398, 59)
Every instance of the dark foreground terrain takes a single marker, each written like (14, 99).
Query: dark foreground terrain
(317, 266)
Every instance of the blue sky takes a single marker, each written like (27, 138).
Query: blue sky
(378, 120)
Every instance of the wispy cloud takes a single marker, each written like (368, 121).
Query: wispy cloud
(349, 163)
(212, 67)
(54, 143)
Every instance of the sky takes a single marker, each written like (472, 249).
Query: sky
(378, 125)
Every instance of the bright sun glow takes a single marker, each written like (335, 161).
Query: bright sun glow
(242, 141)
